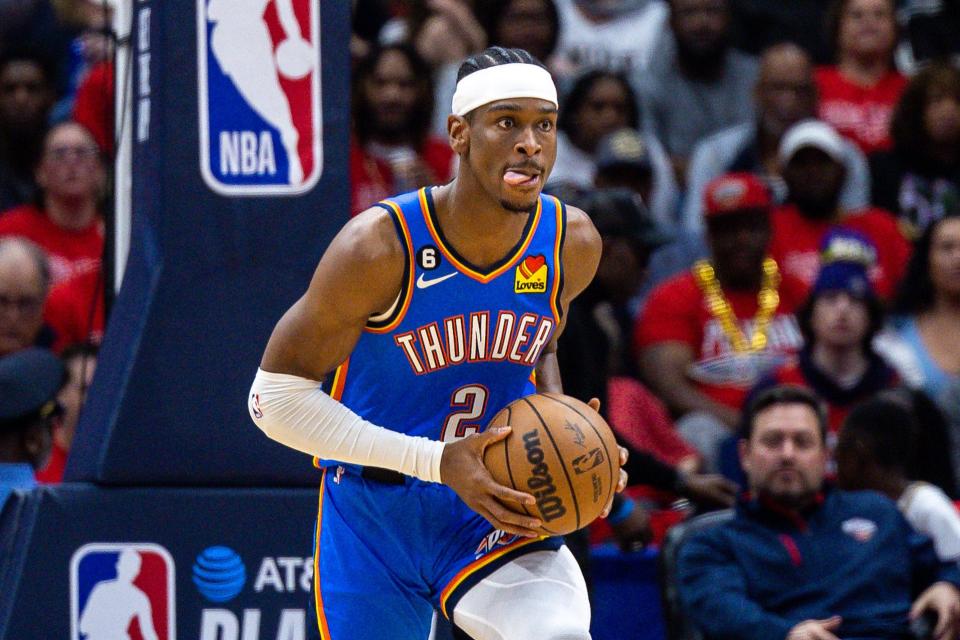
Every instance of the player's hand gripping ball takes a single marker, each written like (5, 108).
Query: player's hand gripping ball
(295, 58)
(563, 453)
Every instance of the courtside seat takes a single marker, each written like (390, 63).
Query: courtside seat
(678, 627)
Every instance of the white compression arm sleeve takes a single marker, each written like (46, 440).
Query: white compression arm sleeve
(294, 411)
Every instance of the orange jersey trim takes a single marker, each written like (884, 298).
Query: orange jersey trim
(407, 291)
(448, 254)
(557, 264)
(477, 565)
(318, 599)
(339, 380)
(336, 391)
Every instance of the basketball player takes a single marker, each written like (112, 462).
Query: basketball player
(433, 310)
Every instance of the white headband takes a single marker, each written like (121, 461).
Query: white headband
(514, 80)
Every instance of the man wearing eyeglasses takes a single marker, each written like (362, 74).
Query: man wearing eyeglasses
(29, 382)
(24, 282)
(66, 221)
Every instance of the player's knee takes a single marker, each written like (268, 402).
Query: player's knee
(527, 628)
(569, 634)
(551, 630)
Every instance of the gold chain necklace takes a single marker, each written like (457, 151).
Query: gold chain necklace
(767, 300)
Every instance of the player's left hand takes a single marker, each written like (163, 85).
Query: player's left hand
(624, 454)
(594, 404)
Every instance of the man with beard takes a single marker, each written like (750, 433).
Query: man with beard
(803, 561)
(784, 95)
(704, 72)
(811, 155)
(707, 335)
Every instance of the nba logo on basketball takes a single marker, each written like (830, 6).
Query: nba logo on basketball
(259, 95)
(122, 591)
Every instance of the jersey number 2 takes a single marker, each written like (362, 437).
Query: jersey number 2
(469, 402)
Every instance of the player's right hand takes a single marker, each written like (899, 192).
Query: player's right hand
(462, 469)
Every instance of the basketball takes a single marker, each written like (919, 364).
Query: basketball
(563, 453)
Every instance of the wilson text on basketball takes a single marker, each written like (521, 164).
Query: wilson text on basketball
(541, 482)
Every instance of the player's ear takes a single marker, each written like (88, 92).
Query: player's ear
(458, 130)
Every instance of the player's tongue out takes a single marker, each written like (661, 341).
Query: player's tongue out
(516, 178)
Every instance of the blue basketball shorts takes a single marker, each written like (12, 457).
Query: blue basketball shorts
(387, 555)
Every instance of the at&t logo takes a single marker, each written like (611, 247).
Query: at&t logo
(220, 576)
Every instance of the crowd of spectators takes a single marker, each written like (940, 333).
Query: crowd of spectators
(778, 190)
(777, 186)
(56, 137)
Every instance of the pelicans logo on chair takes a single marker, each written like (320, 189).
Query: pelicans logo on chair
(531, 275)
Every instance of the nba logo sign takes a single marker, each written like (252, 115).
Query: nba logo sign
(259, 95)
(122, 591)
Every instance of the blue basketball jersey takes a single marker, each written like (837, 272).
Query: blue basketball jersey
(458, 345)
(460, 342)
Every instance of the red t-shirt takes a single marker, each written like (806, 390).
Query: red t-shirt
(859, 113)
(74, 310)
(71, 253)
(676, 312)
(371, 179)
(53, 472)
(638, 416)
(438, 156)
(795, 244)
(93, 106)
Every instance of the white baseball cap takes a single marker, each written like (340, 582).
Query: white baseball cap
(811, 133)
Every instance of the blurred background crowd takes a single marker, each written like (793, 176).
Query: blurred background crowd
(777, 185)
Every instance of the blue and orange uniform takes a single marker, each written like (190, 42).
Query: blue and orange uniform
(458, 345)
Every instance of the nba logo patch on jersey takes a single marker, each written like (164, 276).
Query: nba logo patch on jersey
(122, 591)
(531, 276)
(259, 95)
